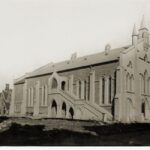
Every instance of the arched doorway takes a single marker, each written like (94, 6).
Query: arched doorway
(63, 110)
(71, 113)
(144, 109)
(130, 111)
(54, 83)
(54, 109)
(63, 85)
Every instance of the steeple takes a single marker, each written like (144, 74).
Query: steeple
(143, 31)
(134, 33)
(143, 23)
(134, 36)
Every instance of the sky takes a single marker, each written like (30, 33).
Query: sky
(36, 32)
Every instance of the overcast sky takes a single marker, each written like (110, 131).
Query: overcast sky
(36, 32)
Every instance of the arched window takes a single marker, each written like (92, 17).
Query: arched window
(142, 84)
(148, 85)
(88, 87)
(44, 96)
(145, 81)
(63, 85)
(68, 85)
(127, 82)
(103, 90)
(54, 83)
(29, 97)
(143, 108)
(85, 87)
(131, 83)
(110, 89)
(79, 89)
(32, 97)
(115, 82)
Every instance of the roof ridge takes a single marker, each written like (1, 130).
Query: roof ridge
(78, 62)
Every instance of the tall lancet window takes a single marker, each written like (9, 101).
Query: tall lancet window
(110, 89)
(54, 83)
(145, 82)
(85, 87)
(44, 96)
(127, 82)
(142, 84)
(88, 86)
(132, 83)
(79, 89)
(148, 85)
(103, 90)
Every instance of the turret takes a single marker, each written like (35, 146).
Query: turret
(143, 31)
(7, 87)
(134, 36)
(107, 49)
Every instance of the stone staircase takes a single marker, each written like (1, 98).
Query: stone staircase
(93, 111)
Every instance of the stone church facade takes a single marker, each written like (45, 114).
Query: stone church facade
(113, 85)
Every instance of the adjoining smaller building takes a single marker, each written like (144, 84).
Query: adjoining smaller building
(5, 99)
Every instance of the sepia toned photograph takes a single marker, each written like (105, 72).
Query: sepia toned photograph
(74, 73)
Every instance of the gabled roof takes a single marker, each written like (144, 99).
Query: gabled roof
(78, 62)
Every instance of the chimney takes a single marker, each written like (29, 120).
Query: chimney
(7, 87)
(107, 49)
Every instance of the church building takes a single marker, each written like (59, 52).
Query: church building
(110, 86)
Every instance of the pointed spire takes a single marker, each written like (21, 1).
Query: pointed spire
(143, 23)
(134, 30)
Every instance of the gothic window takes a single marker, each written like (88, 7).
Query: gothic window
(85, 87)
(44, 95)
(110, 89)
(103, 90)
(131, 83)
(63, 85)
(32, 96)
(54, 83)
(143, 108)
(88, 86)
(142, 84)
(68, 85)
(145, 81)
(127, 82)
(29, 97)
(148, 85)
(79, 89)
(115, 82)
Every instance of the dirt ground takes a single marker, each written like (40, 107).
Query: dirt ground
(57, 132)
